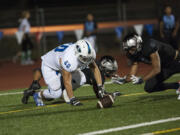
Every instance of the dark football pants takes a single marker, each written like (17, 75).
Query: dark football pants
(27, 43)
(156, 83)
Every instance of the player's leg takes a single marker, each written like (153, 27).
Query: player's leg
(23, 53)
(176, 68)
(157, 83)
(29, 50)
(34, 86)
(52, 79)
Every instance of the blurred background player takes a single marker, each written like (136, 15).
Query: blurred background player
(26, 44)
(63, 64)
(107, 66)
(165, 61)
(169, 26)
(90, 31)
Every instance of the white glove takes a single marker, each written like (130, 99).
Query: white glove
(118, 80)
(136, 80)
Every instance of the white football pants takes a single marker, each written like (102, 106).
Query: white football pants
(53, 80)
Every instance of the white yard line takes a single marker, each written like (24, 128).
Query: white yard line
(86, 85)
(131, 126)
(12, 93)
(17, 93)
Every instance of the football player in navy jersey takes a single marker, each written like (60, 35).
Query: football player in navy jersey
(164, 59)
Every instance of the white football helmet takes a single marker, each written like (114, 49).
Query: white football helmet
(132, 41)
(84, 51)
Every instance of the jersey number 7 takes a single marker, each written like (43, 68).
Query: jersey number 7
(61, 48)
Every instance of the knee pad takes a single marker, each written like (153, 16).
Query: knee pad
(54, 84)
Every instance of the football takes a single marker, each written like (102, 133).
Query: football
(105, 102)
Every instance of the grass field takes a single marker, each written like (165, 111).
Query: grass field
(58, 118)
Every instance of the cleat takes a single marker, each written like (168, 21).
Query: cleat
(38, 100)
(27, 93)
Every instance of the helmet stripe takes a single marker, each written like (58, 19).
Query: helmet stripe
(89, 50)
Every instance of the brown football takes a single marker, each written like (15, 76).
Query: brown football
(105, 102)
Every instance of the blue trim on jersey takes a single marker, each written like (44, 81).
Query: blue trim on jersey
(89, 50)
(57, 72)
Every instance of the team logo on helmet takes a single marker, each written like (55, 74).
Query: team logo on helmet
(84, 51)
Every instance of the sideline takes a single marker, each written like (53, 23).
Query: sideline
(17, 93)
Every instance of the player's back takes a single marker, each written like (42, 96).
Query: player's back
(165, 51)
(64, 52)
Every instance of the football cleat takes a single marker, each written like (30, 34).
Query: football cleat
(29, 92)
(38, 100)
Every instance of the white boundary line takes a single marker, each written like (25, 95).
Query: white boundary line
(86, 85)
(17, 93)
(12, 93)
(131, 126)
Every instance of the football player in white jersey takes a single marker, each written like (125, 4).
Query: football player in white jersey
(65, 62)
(107, 66)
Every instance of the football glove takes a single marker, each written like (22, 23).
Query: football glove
(35, 85)
(101, 91)
(136, 80)
(118, 80)
(75, 102)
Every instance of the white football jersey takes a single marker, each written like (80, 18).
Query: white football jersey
(66, 53)
(24, 23)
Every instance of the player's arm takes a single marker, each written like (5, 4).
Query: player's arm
(96, 72)
(161, 29)
(156, 66)
(97, 76)
(67, 77)
(176, 28)
(133, 71)
(95, 28)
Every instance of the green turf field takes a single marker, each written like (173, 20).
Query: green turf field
(58, 118)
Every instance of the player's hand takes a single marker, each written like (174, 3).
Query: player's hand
(136, 80)
(35, 85)
(75, 102)
(118, 80)
(101, 93)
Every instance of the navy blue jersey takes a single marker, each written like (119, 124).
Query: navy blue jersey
(90, 76)
(165, 51)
